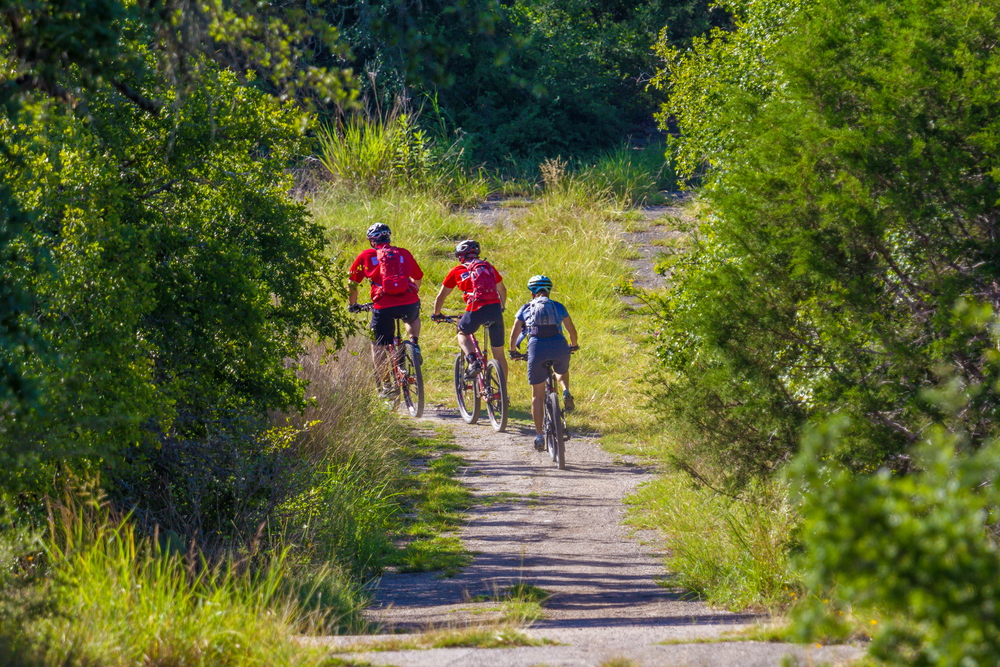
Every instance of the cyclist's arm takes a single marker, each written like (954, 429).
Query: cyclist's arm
(439, 299)
(352, 295)
(417, 282)
(568, 323)
(502, 291)
(515, 331)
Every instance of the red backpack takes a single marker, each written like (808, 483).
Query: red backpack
(392, 267)
(484, 282)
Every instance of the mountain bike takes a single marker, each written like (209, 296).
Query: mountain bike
(488, 383)
(554, 429)
(405, 371)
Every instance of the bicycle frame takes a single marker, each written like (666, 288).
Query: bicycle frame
(478, 352)
(489, 383)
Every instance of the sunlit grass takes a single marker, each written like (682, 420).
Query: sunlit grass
(122, 601)
(499, 634)
(734, 552)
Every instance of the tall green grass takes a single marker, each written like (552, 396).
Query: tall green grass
(355, 445)
(376, 152)
(633, 176)
(733, 552)
(114, 597)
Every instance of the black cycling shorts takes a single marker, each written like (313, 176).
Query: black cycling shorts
(471, 320)
(384, 321)
(541, 350)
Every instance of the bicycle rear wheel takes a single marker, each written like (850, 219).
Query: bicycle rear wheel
(496, 395)
(465, 392)
(412, 382)
(557, 448)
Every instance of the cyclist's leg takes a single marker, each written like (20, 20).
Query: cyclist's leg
(560, 366)
(413, 325)
(537, 405)
(563, 379)
(537, 375)
(410, 315)
(496, 336)
(465, 343)
(383, 325)
(466, 327)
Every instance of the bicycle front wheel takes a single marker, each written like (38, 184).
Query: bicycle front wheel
(465, 392)
(412, 381)
(557, 448)
(495, 385)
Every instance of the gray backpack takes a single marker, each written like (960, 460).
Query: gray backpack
(541, 318)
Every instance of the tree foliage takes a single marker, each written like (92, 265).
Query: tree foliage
(919, 548)
(522, 77)
(158, 274)
(853, 202)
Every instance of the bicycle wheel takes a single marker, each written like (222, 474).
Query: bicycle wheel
(413, 382)
(465, 392)
(558, 451)
(496, 395)
(548, 430)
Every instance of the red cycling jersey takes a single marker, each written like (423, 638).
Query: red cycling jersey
(366, 266)
(459, 277)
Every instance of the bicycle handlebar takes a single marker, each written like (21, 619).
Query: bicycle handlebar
(523, 356)
(444, 319)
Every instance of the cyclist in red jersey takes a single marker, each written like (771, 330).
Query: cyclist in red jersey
(398, 298)
(485, 298)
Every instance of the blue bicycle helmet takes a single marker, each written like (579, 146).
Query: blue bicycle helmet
(539, 283)
(379, 233)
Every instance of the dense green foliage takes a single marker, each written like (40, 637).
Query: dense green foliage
(920, 548)
(180, 274)
(524, 78)
(851, 206)
(159, 273)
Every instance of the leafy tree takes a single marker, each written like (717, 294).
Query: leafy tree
(524, 77)
(852, 201)
(159, 273)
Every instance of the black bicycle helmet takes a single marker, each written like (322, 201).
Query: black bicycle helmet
(379, 233)
(467, 248)
(539, 283)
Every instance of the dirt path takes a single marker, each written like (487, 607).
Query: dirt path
(561, 531)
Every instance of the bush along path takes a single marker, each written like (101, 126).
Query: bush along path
(555, 577)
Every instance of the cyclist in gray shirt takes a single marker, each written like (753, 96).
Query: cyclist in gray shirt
(542, 321)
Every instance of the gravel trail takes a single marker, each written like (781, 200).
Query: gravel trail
(561, 530)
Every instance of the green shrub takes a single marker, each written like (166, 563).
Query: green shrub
(374, 153)
(918, 548)
(182, 276)
(632, 176)
(822, 277)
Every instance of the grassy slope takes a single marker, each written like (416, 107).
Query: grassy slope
(565, 235)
